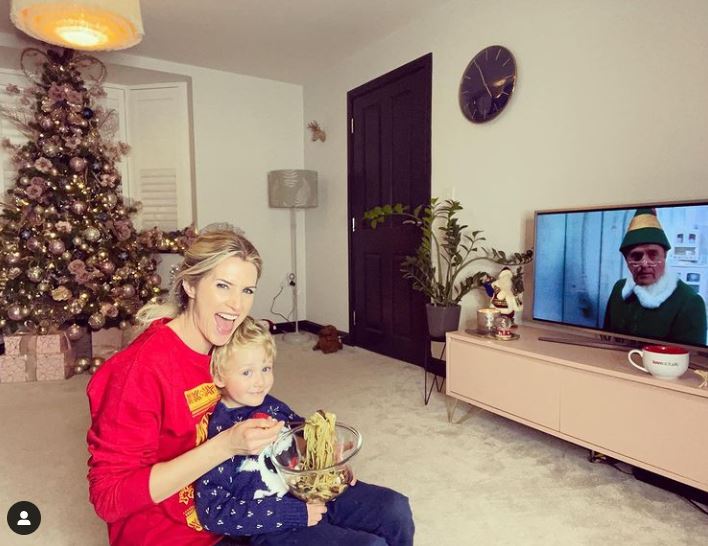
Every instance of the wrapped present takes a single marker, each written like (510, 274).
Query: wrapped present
(105, 343)
(52, 367)
(20, 344)
(14, 368)
(12, 345)
(49, 344)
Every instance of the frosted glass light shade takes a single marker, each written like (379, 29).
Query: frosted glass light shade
(292, 188)
(88, 25)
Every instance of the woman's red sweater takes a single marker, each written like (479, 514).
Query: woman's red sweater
(149, 403)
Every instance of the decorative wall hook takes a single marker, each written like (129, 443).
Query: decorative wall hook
(317, 132)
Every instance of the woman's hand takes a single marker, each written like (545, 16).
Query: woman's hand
(251, 436)
(315, 512)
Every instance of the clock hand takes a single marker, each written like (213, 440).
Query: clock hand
(483, 80)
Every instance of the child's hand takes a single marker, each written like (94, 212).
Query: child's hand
(252, 436)
(315, 512)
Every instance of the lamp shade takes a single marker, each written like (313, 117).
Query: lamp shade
(88, 25)
(292, 188)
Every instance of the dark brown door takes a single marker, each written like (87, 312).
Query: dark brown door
(389, 162)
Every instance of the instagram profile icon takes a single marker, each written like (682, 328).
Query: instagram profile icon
(24, 518)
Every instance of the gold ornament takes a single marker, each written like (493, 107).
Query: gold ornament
(96, 321)
(61, 293)
(92, 234)
(84, 362)
(34, 274)
(74, 332)
(96, 361)
(79, 369)
(12, 258)
(75, 306)
(44, 286)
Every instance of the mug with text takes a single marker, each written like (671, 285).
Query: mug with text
(662, 361)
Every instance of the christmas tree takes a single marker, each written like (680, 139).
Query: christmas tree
(69, 254)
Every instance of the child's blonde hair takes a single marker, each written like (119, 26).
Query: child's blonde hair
(249, 332)
(207, 251)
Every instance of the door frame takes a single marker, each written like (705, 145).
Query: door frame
(421, 63)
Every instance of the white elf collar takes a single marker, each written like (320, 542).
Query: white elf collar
(654, 295)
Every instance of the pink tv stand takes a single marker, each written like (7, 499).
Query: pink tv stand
(588, 396)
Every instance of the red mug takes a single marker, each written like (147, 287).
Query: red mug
(661, 361)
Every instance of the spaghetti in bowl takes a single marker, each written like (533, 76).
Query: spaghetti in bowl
(291, 456)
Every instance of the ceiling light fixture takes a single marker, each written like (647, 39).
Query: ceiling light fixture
(80, 24)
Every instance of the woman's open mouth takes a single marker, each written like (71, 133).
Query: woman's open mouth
(225, 323)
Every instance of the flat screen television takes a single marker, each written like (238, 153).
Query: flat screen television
(655, 289)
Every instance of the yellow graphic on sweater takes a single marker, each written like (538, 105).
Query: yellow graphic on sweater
(192, 519)
(202, 428)
(202, 397)
(201, 400)
(186, 494)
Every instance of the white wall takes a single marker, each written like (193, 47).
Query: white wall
(243, 127)
(610, 107)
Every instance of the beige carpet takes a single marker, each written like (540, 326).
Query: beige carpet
(485, 481)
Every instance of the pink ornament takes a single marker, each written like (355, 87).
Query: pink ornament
(56, 246)
(77, 164)
(78, 207)
(33, 244)
(14, 312)
(128, 290)
(108, 267)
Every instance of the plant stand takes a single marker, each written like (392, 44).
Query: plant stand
(434, 366)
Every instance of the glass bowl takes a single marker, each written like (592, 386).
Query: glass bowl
(316, 485)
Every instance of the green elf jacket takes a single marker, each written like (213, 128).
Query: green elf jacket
(680, 318)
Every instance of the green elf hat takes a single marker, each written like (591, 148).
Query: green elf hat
(644, 229)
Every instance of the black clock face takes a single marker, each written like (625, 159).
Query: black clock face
(487, 84)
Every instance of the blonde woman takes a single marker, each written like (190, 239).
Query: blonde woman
(150, 402)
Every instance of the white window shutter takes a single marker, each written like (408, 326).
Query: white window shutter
(161, 176)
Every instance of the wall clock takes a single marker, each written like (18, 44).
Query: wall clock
(487, 84)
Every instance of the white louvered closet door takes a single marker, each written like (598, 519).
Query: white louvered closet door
(161, 179)
(8, 171)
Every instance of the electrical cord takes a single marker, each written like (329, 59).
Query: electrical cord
(599, 458)
(291, 282)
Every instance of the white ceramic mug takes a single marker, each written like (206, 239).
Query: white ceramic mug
(661, 361)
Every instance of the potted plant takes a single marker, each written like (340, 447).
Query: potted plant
(439, 268)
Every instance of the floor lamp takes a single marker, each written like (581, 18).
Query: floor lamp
(293, 189)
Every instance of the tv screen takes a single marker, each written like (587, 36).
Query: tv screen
(636, 271)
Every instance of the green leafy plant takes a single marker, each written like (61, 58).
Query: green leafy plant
(446, 250)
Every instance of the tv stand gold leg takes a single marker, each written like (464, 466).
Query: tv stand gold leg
(452, 407)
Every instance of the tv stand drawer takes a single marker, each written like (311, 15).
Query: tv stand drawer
(505, 381)
(657, 426)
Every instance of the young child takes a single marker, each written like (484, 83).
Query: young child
(245, 496)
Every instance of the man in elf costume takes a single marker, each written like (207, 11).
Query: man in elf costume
(653, 303)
